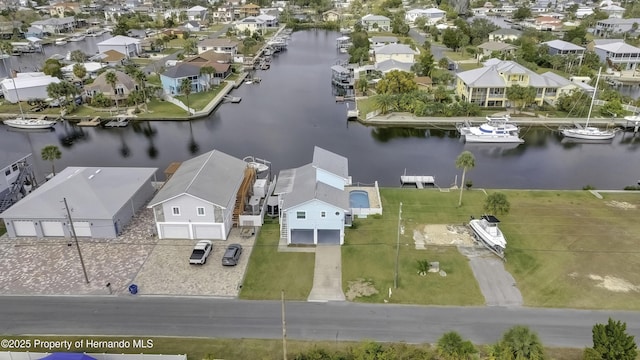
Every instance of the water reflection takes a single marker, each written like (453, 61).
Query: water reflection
(386, 134)
(125, 150)
(495, 150)
(72, 134)
(193, 145)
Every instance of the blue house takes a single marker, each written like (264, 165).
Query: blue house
(313, 202)
(192, 69)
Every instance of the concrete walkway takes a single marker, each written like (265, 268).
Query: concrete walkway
(496, 284)
(327, 275)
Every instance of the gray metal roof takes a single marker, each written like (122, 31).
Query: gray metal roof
(371, 17)
(507, 31)
(182, 70)
(395, 49)
(496, 46)
(490, 76)
(212, 177)
(91, 192)
(9, 158)
(383, 39)
(305, 187)
(562, 45)
(388, 65)
(619, 48)
(331, 162)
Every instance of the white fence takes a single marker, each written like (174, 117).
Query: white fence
(12, 355)
(372, 114)
(177, 103)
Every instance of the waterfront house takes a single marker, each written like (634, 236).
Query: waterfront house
(490, 48)
(331, 15)
(33, 31)
(252, 24)
(191, 69)
(109, 57)
(386, 66)
(223, 14)
(504, 10)
(619, 55)
(398, 52)
(481, 11)
(248, 10)
(102, 201)
(547, 23)
(432, 16)
(561, 47)
(26, 86)
(191, 25)
(269, 20)
(64, 9)
(218, 45)
(375, 23)
(377, 41)
(609, 27)
(124, 86)
(197, 13)
(614, 11)
(595, 42)
(56, 25)
(92, 69)
(505, 34)
(566, 86)
(487, 86)
(11, 165)
(313, 202)
(199, 199)
(123, 44)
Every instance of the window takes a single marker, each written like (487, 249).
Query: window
(14, 167)
(7, 172)
(323, 214)
(175, 210)
(200, 211)
(301, 215)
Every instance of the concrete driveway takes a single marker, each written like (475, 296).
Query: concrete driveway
(327, 275)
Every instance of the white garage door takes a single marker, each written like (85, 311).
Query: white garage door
(52, 228)
(174, 231)
(207, 231)
(24, 228)
(82, 228)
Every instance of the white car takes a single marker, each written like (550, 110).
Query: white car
(200, 252)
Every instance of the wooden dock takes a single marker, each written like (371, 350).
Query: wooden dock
(233, 99)
(93, 122)
(418, 180)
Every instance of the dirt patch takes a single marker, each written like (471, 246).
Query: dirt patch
(621, 205)
(360, 288)
(440, 234)
(614, 284)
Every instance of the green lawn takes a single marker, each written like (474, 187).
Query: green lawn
(142, 61)
(162, 109)
(366, 106)
(198, 101)
(457, 56)
(154, 80)
(169, 51)
(370, 250)
(466, 66)
(271, 271)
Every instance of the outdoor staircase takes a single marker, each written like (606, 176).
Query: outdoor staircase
(11, 197)
(243, 194)
(284, 229)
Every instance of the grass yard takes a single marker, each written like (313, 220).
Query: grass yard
(570, 249)
(457, 56)
(466, 66)
(271, 271)
(198, 101)
(162, 109)
(366, 106)
(370, 250)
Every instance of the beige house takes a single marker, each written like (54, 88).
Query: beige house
(397, 52)
(219, 45)
(485, 50)
(251, 23)
(505, 34)
(123, 87)
(331, 15)
(62, 9)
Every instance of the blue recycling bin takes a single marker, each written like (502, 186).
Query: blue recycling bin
(133, 289)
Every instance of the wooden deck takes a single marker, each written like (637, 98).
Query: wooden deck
(93, 122)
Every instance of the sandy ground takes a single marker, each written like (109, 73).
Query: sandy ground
(438, 234)
(621, 205)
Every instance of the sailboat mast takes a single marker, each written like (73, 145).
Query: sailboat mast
(593, 99)
(13, 80)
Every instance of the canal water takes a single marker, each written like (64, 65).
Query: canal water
(293, 109)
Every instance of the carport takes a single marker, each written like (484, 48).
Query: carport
(302, 236)
(328, 237)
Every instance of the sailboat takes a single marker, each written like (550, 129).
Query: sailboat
(589, 132)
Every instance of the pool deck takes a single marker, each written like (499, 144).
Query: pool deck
(374, 196)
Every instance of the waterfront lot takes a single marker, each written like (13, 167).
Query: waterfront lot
(565, 249)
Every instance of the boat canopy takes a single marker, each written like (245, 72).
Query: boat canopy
(491, 218)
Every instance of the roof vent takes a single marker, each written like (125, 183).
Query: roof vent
(91, 176)
(98, 171)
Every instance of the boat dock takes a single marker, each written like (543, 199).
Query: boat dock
(117, 123)
(419, 181)
(233, 99)
(93, 122)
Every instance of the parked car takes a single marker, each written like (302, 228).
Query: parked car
(200, 252)
(144, 56)
(232, 255)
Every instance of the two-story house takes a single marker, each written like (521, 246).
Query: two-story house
(198, 200)
(487, 86)
(56, 25)
(608, 27)
(431, 16)
(269, 20)
(218, 45)
(252, 24)
(65, 8)
(488, 48)
(123, 44)
(619, 55)
(197, 13)
(313, 202)
(223, 14)
(614, 11)
(123, 87)
(505, 34)
(398, 52)
(561, 47)
(375, 23)
(248, 10)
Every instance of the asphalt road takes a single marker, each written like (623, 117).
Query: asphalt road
(436, 50)
(181, 316)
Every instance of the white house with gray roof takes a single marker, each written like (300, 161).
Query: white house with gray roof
(375, 23)
(619, 55)
(431, 16)
(102, 202)
(505, 34)
(398, 52)
(11, 164)
(198, 201)
(313, 202)
(561, 47)
(613, 26)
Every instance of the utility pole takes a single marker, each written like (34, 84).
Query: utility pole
(395, 280)
(73, 232)
(284, 330)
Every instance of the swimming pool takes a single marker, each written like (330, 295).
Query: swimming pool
(358, 199)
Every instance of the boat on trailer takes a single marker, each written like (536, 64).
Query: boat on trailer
(486, 230)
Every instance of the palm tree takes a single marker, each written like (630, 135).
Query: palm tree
(185, 88)
(51, 153)
(465, 160)
(452, 346)
(79, 71)
(140, 77)
(520, 342)
(111, 78)
(497, 203)
(384, 102)
(209, 71)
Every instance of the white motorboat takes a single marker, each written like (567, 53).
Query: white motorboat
(497, 129)
(76, 38)
(589, 132)
(487, 231)
(21, 123)
(259, 164)
(61, 41)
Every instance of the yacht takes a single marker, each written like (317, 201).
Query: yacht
(24, 123)
(487, 231)
(61, 41)
(497, 129)
(76, 38)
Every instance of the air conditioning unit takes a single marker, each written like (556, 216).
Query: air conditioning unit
(260, 188)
